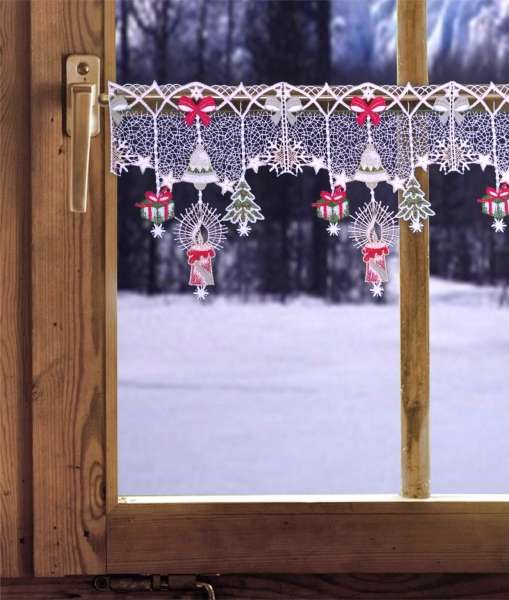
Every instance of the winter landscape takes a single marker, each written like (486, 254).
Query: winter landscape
(303, 398)
(286, 379)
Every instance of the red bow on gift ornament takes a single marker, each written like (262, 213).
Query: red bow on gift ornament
(337, 197)
(496, 195)
(151, 199)
(501, 194)
(200, 109)
(367, 110)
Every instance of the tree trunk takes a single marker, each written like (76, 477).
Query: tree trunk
(201, 40)
(319, 232)
(161, 37)
(229, 42)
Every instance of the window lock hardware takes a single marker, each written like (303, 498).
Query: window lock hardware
(152, 583)
(82, 121)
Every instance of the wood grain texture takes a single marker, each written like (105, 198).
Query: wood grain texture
(68, 394)
(285, 587)
(110, 216)
(15, 371)
(329, 505)
(153, 540)
(414, 283)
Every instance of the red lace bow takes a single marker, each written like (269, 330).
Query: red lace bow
(367, 110)
(200, 109)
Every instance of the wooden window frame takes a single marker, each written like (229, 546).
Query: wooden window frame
(329, 533)
(79, 525)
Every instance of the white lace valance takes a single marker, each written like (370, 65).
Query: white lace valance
(375, 134)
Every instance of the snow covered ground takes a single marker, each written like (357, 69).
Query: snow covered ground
(263, 398)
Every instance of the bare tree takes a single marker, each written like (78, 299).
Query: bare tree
(201, 40)
(158, 21)
(319, 268)
(124, 10)
(229, 39)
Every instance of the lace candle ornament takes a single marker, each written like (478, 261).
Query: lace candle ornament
(374, 230)
(373, 255)
(200, 233)
(199, 257)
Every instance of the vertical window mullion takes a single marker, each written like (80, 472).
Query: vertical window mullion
(414, 277)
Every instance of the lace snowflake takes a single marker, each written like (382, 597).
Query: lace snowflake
(453, 156)
(286, 159)
(122, 156)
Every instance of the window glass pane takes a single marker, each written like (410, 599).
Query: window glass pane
(469, 341)
(469, 277)
(269, 386)
(286, 379)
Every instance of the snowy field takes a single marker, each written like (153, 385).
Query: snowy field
(303, 398)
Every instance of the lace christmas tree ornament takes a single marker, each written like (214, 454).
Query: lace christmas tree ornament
(413, 206)
(243, 209)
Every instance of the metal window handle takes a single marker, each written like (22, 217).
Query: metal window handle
(82, 123)
(208, 588)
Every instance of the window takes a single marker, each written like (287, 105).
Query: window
(74, 383)
(297, 511)
(272, 372)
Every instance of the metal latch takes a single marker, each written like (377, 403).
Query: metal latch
(152, 583)
(82, 121)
